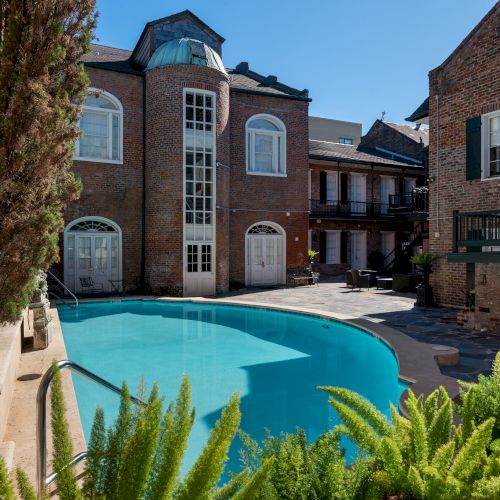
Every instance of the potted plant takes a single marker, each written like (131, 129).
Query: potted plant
(311, 255)
(424, 261)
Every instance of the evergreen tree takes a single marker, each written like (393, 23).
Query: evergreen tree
(41, 90)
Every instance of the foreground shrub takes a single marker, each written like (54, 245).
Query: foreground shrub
(425, 456)
(486, 394)
(301, 470)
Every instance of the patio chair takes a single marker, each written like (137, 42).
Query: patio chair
(88, 285)
(360, 280)
(349, 281)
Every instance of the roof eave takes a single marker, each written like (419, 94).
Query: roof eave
(364, 162)
(270, 94)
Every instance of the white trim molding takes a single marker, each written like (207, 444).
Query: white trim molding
(278, 161)
(485, 145)
(110, 113)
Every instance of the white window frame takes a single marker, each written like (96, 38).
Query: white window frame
(279, 156)
(336, 234)
(485, 145)
(343, 139)
(110, 113)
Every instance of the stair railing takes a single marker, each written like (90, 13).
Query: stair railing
(53, 276)
(43, 479)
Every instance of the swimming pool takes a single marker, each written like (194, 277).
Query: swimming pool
(275, 360)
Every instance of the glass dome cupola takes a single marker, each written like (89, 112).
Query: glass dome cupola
(186, 51)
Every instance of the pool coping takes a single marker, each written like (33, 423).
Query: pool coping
(417, 361)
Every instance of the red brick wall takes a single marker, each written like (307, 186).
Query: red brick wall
(115, 191)
(164, 179)
(465, 86)
(255, 198)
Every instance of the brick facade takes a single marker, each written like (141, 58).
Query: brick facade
(151, 175)
(373, 226)
(466, 85)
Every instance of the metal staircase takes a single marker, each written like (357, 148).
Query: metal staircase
(399, 259)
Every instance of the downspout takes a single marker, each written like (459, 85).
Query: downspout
(436, 235)
(143, 239)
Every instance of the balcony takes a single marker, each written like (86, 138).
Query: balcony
(348, 210)
(413, 202)
(476, 236)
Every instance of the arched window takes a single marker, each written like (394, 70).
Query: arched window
(101, 124)
(266, 145)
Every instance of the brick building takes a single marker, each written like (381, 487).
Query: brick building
(194, 175)
(363, 202)
(463, 112)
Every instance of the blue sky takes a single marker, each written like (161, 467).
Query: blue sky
(356, 57)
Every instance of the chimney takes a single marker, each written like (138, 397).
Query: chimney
(242, 67)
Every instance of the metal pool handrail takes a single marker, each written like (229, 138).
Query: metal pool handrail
(64, 286)
(43, 479)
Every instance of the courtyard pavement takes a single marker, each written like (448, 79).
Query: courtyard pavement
(431, 325)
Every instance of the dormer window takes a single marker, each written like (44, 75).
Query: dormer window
(266, 146)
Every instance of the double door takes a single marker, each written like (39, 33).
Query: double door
(96, 258)
(263, 259)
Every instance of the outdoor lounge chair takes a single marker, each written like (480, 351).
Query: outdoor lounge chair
(88, 285)
(349, 279)
(360, 280)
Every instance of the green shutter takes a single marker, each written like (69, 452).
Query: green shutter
(473, 148)
(343, 247)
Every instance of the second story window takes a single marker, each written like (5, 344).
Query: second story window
(345, 140)
(101, 126)
(491, 141)
(266, 146)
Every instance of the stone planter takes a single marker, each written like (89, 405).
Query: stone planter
(43, 329)
(425, 295)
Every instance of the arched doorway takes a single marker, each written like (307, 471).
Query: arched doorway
(93, 249)
(265, 255)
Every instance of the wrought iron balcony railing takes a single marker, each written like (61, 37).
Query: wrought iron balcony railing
(410, 202)
(476, 229)
(321, 208)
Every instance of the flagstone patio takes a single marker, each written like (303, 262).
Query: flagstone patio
(431, 325)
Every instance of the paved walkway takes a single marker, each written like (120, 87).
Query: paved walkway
(431, 325)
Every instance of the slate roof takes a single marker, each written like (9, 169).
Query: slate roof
(420, 135)
(421, 112)
(245, 80)
(110, 58)
(322, 150)
(242, 79)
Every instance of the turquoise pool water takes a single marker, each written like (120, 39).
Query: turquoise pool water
(274, 359)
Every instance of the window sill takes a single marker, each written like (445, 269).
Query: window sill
(266, 174)
(99, 160)
(493, 178)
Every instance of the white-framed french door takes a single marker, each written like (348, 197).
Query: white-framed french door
(387, 244)
(358, 193)
(92, 249)
(263, 259)
(387, 187)
(358, 250)
(199, 272)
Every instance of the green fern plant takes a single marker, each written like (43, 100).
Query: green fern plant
(486, 397)
(425, 456)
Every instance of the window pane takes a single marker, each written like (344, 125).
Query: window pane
(94, 143)
(70, 252)
(101, 254)
(115, 128)
(262, 124)
(99, 102)
(263, 156)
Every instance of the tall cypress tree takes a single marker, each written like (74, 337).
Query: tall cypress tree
(42, 86)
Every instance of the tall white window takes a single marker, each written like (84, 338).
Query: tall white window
(266, 146)
(333, 247)
(101, 125)
(491, 145)
(199, 191)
